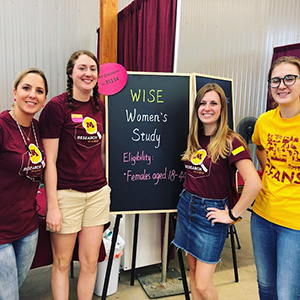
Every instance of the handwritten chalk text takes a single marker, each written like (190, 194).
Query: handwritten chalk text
(138, 157)
(142, 94)
(133, 116)
(168, 175)
(153, 137)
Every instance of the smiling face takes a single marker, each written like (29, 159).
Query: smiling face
(209, 111)
(30, 95)
(286, 96)
(84, 75)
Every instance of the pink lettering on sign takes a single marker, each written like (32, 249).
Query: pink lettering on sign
(112, 78)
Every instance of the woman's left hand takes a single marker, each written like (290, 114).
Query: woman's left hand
(218, 215)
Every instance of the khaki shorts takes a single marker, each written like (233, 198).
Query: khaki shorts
(80, 209)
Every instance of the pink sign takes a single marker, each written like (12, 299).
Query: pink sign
(112, 78)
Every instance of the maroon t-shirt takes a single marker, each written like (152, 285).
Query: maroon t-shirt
(18, 216)
(212, 180)
(80, 131)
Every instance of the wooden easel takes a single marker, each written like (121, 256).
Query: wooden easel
(108, 53)
(134, 252)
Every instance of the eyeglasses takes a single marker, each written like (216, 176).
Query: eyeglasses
(288, 80)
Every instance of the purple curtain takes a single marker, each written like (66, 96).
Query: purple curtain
(146, 35)
(146, 38)
(287, 50)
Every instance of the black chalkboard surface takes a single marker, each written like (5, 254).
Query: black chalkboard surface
(226, 85)
(148, 123)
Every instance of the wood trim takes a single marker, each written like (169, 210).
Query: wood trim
(108, 31)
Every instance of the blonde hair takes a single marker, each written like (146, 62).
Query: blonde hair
(23, 73)
(220, 144)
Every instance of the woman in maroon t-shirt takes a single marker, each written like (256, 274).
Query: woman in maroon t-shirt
(213, 155)
(22, 163)
(78, 197)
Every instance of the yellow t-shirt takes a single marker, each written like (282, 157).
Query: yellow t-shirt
(279, 199)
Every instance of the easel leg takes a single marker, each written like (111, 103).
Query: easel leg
(236, 236)
(111, 256)
(235, 267)
(134, 249)
(165, 249)
(72, 268)
(183, 275)
(181, 265)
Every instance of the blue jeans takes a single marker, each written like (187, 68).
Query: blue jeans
(15, 261)
(194, 233)
(277, 259)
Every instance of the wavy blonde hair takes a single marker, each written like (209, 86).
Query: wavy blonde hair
(23, 73)
(220, 144)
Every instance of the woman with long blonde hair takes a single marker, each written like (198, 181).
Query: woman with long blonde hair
(214, 153)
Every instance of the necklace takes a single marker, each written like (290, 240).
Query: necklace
(26, 135)
(22, 135)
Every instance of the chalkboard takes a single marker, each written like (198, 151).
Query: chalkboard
(226, 85)
(148, 124)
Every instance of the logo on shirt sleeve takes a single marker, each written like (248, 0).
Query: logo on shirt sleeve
(238, 150)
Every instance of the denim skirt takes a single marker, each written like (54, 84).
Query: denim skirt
(194, 233)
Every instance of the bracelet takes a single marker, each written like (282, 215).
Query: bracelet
(232, 217)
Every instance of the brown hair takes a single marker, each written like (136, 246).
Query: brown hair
(69, 71)
(283, 60)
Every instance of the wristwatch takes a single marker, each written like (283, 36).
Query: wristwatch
(232, 217)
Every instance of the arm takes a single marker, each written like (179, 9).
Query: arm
(252, 186)
(261, 155)
(53, 214)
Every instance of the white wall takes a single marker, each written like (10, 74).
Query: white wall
(123, 3)
(43, 34)
(235, 39)
(232, 38)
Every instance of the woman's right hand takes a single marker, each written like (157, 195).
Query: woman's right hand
(54, 219)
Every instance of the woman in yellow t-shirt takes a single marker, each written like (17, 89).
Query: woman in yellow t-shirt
(275, 222)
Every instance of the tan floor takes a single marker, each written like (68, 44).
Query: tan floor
(37, 283)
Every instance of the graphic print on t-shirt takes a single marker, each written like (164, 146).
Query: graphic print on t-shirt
(36, 155)
(87, 133)
(197, 169)
(32, 165)
(90, 125)
(284, 149)
(198, 157)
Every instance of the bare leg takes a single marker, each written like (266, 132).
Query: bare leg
(201, 280)
(62, 248)
(90, 239)
(192, 265)
(204, 281)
